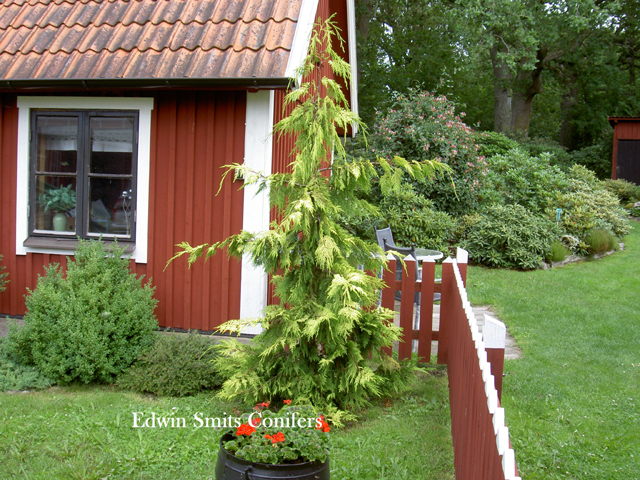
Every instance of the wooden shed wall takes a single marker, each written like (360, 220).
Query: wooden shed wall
(193, 134)
(623, 129)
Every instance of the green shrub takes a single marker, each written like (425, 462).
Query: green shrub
(538, 145)
(14, 375)
(627, 192)
(600, 241)
(413, 220)
(587, 204)
(557, 251)
(177, 365)
(596, 158)
(464, 224)
(493, 143)
(510, 236)
(3, 277)
(421, 126)
(90, 324)
(519, 178)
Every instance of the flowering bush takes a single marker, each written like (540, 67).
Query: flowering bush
(295, 434)
(424, 126)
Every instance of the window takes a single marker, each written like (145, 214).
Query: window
(83, 166)
(83, 171)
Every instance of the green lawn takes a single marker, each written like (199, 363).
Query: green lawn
(87, 433)
(573, 400)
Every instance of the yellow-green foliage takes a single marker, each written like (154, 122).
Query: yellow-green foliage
(322, 344)
(587, 204)
(600, 241)
(557, 251)
(627, 192)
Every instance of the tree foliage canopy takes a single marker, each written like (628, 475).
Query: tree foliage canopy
(554, 68)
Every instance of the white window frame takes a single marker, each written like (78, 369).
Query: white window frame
(143, 106)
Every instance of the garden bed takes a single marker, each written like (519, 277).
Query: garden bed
(579, 258)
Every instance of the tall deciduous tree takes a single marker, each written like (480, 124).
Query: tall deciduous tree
(525, 37)
(401, 44)
(562, 64)
(322, 344)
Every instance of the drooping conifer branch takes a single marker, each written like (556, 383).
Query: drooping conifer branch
(323, 343)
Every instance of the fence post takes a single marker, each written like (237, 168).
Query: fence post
(406, 307)
(425, 333)
(462, 259)
(449, 290)
(494, 334)
(388, 293)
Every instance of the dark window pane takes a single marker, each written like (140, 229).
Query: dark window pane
(112, 145)
(110, 206)
(56, 144)
(55, 203)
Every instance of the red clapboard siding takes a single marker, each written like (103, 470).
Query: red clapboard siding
(193, 134)
(23, 270)
(196, 134)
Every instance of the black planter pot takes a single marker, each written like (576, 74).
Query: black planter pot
(230, 467)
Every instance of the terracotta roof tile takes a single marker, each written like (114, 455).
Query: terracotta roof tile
(142, 39)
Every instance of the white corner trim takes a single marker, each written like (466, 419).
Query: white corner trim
(302, 37)
(353, 58)
(144, 106)
(258, 153)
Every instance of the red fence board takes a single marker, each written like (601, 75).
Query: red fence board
(473, 400)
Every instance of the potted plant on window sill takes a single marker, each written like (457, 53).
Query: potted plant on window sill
(292, 443)
(60, 200)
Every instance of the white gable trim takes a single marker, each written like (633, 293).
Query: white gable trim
(258, 151)
(353, 58)
(144, 106)
(302, 37)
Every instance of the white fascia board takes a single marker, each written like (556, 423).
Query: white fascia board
(258, 151)
(143, 106)
(302, 38)
(353, 58)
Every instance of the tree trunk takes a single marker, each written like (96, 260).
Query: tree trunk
(501, 93)
(528, 85)
(568, 101)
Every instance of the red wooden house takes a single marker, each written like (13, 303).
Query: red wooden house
(137, 104)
